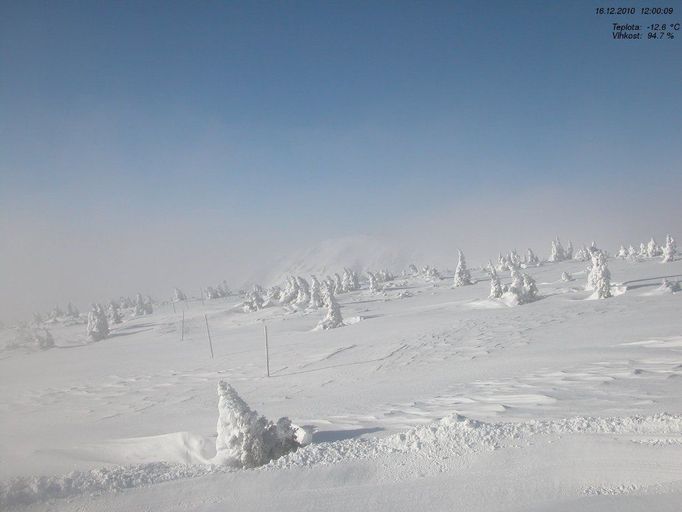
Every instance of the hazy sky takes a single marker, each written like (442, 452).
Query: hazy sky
(150, 144)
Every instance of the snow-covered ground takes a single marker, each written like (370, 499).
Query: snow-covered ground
(437, 399)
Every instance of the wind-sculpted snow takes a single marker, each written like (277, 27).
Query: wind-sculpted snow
(458, 435)
(452, 436)
(27, 490)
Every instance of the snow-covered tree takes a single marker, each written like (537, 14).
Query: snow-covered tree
(333, 317)
(224, 290)
(303, 296)
(33, 337)
(566, 277)
(462, 274)
(531, 259)
(115, 313)
(373, 284)
(143, 306)
(514, 258)
(599, 278)
(622, 253)
(253, 301)
(496, 290)
(98, 326)
(502, 263)
(347, 280)
(413, 270)
(669, 250)
(315, 294)
(557, 253)
(290, 292)
(178, 295)
(522, 288)
(272, 296)
(652, 249)
(72, 311)
(246, 439)
(642, 250)
(212, 293)
(568, 253)
(582, 254)
(338, 284)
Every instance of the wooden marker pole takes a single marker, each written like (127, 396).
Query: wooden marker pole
(182, 338)
(208, 331)
(267, 349)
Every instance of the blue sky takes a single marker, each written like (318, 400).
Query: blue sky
(255, 119)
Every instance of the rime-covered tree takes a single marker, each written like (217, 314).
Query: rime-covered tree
(115, 313)
(531, 259)
(272, 296)
(530, 288)
(600, 276)
(143, 306)
(557, 252)
(413, 270)
(212, 293)
(462, 274)
(514, 258)
(333, 318)
(622, 253)
(522, 288)
(338, 285)
(72, 311)
(246, 439)
(315, 294)
(178, 295)
(652, 249)
(642, 250)
(502, 263)
(37, 318)
(669, 250)
(568, 253)
(347, 280)
(303, 296)
(373, 284)
(290, 292)
(582, 254)
(98, 326)
(496, 290)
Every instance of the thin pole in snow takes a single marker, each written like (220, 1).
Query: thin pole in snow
(173, 302)
(208, 331)
(267, 349)
(183, 326)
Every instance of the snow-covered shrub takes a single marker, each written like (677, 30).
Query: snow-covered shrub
(413, 270)
(669, 250)
(246, 439)
(384, 276)
(496, 290)
(125, 302)
(568, 253)
(32, 337)
(290, 292)
(514, 258)
(670, 286)
(430, 274)
(98, 326)
(557, 254)
(531, 259)
(566, 277)
(179, 295)
(315, 294)
(462, 274)
(599, 278)
(333, 318)
(253, 301)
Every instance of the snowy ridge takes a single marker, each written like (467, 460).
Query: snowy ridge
(458, 435)
(454, 435)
